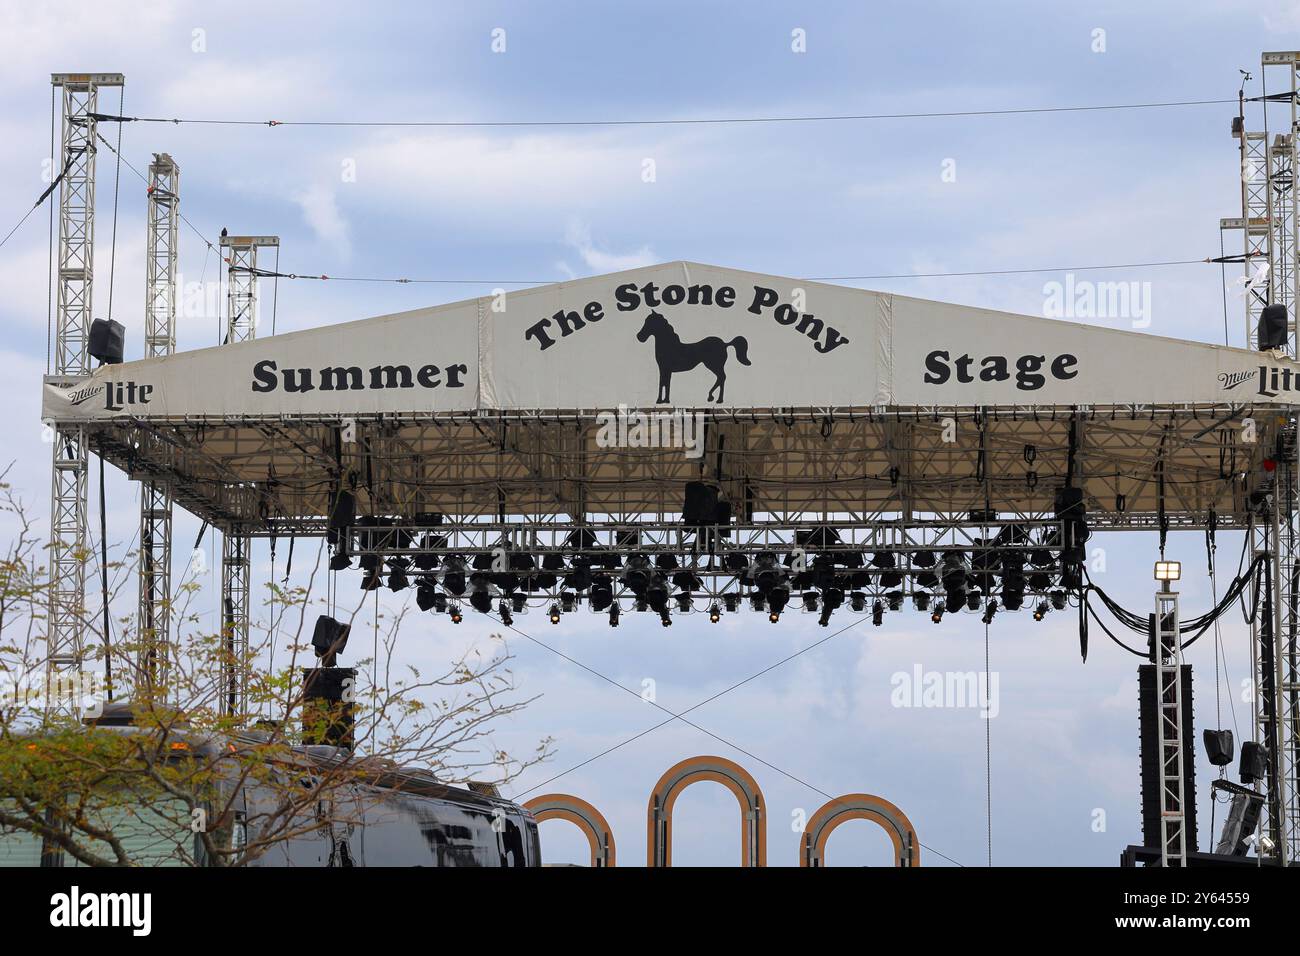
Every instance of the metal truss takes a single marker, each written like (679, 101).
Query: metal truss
(154, 615)
(75, 285)
(1139, 468)
(241, 326)
(1169, 720)
(241, 287)
(234, 622)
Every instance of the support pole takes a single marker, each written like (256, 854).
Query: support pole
(71, 363)
(241, 326)
(1169, 686)
(154, 617)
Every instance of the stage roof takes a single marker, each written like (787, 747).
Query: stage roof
(813, 400)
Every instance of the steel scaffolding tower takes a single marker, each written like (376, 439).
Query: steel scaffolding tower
(241, 326)
(75, 282)
(241, 294)
(1168, 653)
(154, 620)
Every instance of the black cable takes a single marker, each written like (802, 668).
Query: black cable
(701, 121)
(275, 274)
(103, 585)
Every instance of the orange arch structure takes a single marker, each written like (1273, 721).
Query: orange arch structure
(859, 806)
(564, 806)
(753, 823)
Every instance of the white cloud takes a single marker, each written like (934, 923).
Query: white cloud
(578, 237)
(320, 208)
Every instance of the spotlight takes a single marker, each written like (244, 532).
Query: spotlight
(684, 603)
(921, 601)
(1040, 612)
(397, 580)
(767, 572)
(877, 614)
(614, 611)
(454, 611)
(656, 593)
(602, 593)
(989, 610)
(555, 614)
(937, 614)
(520, 602)
(453, 575)
(923, 559)
(567, 600)
(481, 601)
(371, 581)
(858, 601)
(756, 601)
(636, 573)
(776, 602)
(895, 599)
(425, 595)
(832, 598)
(715, 614)
(973, 601)
(664, 617)
(439, 603)
(341, 561)
(731, 602)
(503, 611)
(1058, 600)
(810, 600)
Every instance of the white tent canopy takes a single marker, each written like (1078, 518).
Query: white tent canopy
(712, 337)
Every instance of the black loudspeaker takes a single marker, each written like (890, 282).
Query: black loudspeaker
(1149, 755)
(342, 515)
(107, 341)
(1071, 510)
(328, 711)
(1219, 747)
(1272, 327)
(1254, 762)
(701, 505)
(329, 639)
(1243, 817)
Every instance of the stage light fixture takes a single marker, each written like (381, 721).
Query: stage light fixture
(602, 593)
(1058, 600)
(809, 600)
(555, 614)
(684, 603)
(756, 601)
(923, 559)
(519, 602)
(453, 575)
(731, 602)
(776, 602)
(664, 617)
(503, 611)
(832, 599)
(877, 614)
(990, 609)
(454, 611)
(397, 580)
(372, 580)
(937, 614)
(767, 572)
(1167, 571)
(481, 601)
(637, 573)
(921, 601)
(895, 599)
(614, 611)
(656, 592)
(858, 602)
(1040, 612)
(341, 561)
(715, 614)
(424, 595)
(567, 601)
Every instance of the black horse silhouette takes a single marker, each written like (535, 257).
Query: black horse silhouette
(674, 355)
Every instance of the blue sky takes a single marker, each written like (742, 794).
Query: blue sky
(816, 199)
